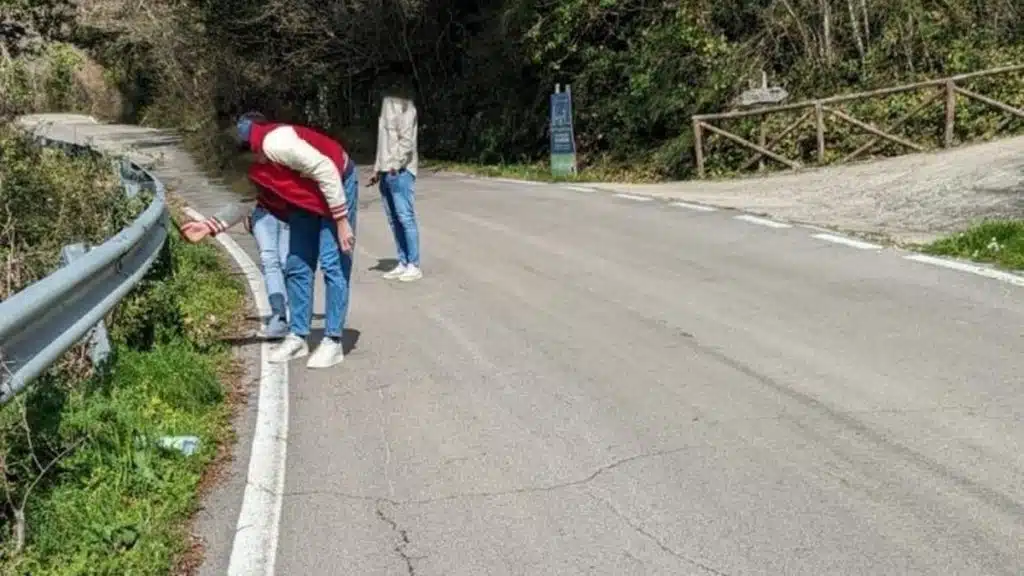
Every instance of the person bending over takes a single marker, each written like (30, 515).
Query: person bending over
(315, 178)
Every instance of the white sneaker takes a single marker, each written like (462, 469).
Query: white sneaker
(327, 354)
(394, 272)
(293, 347)
(411, 274)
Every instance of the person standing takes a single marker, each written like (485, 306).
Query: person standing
(395, 171)
(314, 176)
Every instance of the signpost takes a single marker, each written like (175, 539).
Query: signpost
(758, 96)
(563, 141)
(762, 94)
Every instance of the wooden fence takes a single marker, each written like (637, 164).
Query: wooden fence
(817, 109)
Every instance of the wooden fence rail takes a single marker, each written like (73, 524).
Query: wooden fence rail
(817, 109)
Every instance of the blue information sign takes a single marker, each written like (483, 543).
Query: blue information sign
(563, 141)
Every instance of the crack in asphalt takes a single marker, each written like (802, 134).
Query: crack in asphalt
(499, 493)
(639, 529)
(403, 538)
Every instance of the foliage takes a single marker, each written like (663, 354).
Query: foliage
(1000, 242)
(86, 489)
(56, 78)
(47, 200)
(482, 70)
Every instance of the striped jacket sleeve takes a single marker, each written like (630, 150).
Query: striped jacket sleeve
(229, 215)
(284, 146)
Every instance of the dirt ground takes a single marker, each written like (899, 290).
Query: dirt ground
(907, 199)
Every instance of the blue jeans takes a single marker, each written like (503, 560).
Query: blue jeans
(398, 192)
(271, 237)
(312, 238)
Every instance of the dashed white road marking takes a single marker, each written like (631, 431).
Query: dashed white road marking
(634, 197)
(852, 243)
(582, 188)
(762, 221)
(515, 181)
(695, 207)
(1007, 277)
(254, 550)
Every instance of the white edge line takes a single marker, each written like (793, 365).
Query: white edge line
(762, 221)
(697, 207)
(847, 242)
(582, 188)
(634, 197)
(1007, 277)
(254, 550)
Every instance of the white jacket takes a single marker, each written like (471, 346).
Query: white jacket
(396, 136)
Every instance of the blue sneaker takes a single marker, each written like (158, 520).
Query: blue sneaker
(276, 329)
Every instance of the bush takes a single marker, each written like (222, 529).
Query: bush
(86, 487)
(47, 200)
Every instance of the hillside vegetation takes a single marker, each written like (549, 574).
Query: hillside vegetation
(482, 70)
(86, 489)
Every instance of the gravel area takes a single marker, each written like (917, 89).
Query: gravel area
(913, 198)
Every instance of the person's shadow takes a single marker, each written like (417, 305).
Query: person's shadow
(383, 265)
(349, 339)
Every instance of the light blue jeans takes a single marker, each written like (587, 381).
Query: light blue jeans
(313, 238)
(271, 237)
(398, 192)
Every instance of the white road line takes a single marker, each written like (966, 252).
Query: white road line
(1007, 277)
(515, 181)
(860, 245)
(634, 197)
(696, 207)
(254, 550)
(762, 221)
(582, 188)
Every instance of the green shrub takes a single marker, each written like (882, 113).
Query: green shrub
(1000, 242)
(87, 489)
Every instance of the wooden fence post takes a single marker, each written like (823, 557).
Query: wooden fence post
(819, 124)
(698, 147)
(950, 112)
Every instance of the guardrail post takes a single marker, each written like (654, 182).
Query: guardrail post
(99, 343)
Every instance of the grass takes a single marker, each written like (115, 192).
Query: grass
(98, 495)
(541, 171)
(999, 242)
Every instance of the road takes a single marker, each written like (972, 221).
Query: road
(586, 383)
(590, 384)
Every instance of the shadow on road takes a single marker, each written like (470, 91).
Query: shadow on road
(383, 265)
(349, 339)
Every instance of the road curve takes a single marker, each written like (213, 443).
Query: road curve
(586, 383)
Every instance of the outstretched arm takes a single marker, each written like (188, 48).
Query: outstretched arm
(226, 217)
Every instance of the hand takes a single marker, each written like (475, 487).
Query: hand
(346, 238)
(374, 179)
(194, 231)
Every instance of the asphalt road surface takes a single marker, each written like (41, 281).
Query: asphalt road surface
(586, 383)
(592, 384)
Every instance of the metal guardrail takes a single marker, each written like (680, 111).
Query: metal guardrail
(40, 323)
